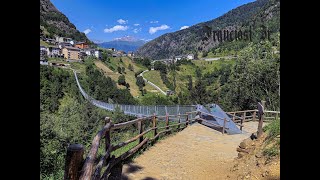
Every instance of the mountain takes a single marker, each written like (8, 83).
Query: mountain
(53, 22)
(194, 38)
(126, 43)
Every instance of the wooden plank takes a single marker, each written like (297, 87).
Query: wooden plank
(130, 140)
(107, 135)
(87, 168)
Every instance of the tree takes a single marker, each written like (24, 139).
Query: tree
(123, 70)
(189, 82)
(122, 80)
(121, 60)
(119, 70)
(130, 67)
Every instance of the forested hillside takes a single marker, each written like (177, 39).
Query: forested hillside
(54, 22)
(195, 39)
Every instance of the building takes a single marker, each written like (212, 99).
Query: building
(82, 45)
(177, 58)
(89, 52)
(82, 54)
(190, 56)
(51, 41)
(130, 54)
(111, 49)
(97, 53)
(54, 51)
(61, 45)
(43, 51)
(63, 39)
(71, 53)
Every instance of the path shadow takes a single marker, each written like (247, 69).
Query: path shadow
(133, 168)
(149, 178)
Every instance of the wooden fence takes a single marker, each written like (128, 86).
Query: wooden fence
(91, 167)
(108, 166)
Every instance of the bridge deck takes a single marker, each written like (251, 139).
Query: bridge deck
(197, 152)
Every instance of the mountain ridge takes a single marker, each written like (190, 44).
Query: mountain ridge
(193, 39)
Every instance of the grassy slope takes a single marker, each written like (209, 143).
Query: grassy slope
(154, 77)
(130, 75)
(42, 43)
(185, 70)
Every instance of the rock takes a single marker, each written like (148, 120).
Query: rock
(246, 143)
(247, 176)
(254, 136)
(259, 155)
(241, 154)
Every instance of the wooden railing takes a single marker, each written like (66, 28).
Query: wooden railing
(239, 117)
(92, 167)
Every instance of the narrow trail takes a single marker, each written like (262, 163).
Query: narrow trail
(197, 152)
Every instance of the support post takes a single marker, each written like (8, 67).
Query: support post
(167, 121)
(107, 136)
(140, 130)
(73, 162)
(242, 119)
(224, 125)
(261, 116)
(254, 115)
(234, 117)
(179, 121)
(187, 120)
(155, 124)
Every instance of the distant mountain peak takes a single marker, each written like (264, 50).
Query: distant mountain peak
(126, 38)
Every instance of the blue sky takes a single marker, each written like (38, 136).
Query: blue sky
(105, 20)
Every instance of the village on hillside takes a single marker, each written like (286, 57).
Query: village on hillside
(72, 51)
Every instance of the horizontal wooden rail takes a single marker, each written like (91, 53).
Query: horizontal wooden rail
(159, 134)
(124, 124)
(130, 140)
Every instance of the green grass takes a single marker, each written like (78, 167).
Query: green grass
(272, 147)
(43, 43)
(154, 77)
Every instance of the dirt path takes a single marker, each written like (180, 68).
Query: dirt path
(197, 152)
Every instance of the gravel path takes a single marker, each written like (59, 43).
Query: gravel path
(197, 152)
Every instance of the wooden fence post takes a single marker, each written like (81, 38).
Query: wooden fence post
(187, 120)
(140, 130)
(254, 115)
(224, 125)
(260, 121)
(242, 119)
(179, 122)
(74, 159)
(107, 136)
(276, 116)
(155, 124)
(234, 117)
(167, 121)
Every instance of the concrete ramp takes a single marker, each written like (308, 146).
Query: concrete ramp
(215, 110)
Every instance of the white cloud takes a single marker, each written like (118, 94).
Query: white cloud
(87, 31)
(116, 28)
(136, 30)
(121, 21)
(136, 24)
(154, 22)
(184, 27)
(153, 30)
